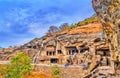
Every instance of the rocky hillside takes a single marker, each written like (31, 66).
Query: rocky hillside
(108, 12)
(66, 37)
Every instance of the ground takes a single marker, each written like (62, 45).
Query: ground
(39, 75)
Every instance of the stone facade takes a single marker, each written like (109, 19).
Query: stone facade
(108, 12)
(66, 47)
(67, 72)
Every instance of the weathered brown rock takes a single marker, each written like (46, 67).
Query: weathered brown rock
(108, 12)
(58, 44)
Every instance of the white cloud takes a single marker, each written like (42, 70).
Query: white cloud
(5, 26)
(36, 29)
(18, 14)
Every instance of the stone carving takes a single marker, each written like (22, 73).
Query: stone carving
(108, 12)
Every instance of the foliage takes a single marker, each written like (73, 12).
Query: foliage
(63, 26)
(84, 22)
(87, 21)
(10, 46)
(56, 71)
(3, 70)
(20, 66)
(72, 26)
(52, 29)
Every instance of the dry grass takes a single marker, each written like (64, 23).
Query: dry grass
(32, 75)
(90, 28)
(38, 75)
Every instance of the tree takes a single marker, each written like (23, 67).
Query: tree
(10, 46)
(63, 26)
(56, 72)
(20, 66)
(52, 29)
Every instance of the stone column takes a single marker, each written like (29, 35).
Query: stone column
(92, 49)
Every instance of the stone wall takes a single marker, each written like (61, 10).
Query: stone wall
(67, 72)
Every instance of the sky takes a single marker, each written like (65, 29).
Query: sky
(24, 20)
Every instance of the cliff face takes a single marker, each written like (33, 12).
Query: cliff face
(108, 12)
(82, 46)
(65, 38)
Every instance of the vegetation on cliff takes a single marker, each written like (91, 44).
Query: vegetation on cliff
(66, 26)
(84, 22)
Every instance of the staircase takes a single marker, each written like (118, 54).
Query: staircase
(37, 55)
(35, 58)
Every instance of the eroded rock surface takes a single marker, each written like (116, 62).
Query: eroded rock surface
(60, 41)
(108, 12)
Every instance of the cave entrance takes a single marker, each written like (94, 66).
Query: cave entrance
(71, 50)
(84, 49)
(103, 52)
(54, 60)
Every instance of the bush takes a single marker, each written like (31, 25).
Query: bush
(52, 29)
(72, 26)
(84, 22)
(56, 71)
(87, 21)
(63, 26)
(3, 71)
(20, 66)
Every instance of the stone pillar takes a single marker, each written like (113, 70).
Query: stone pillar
(92, 49)
(52, 53)
(70, 52)
(112, 65)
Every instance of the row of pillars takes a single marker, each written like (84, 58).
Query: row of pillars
(50, 53)
(71, 52)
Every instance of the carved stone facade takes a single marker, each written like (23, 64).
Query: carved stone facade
(108, 12)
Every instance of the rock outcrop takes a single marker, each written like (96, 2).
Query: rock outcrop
(61, 40)
(83, 46)
(108, 12)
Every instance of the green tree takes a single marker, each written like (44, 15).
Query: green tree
(20, 66)
(56, 71)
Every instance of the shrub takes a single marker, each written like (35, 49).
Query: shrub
(84, 22)
(63, 26)
(52, 29)
(3, 71)
(20, 66)
(56, 71)
(87, 21)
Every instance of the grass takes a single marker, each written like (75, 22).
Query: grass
(84, 22)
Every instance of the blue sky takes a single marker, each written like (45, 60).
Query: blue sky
(24, 20)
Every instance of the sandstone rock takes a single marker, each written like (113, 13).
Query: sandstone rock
(108, 12)
(57, 45)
